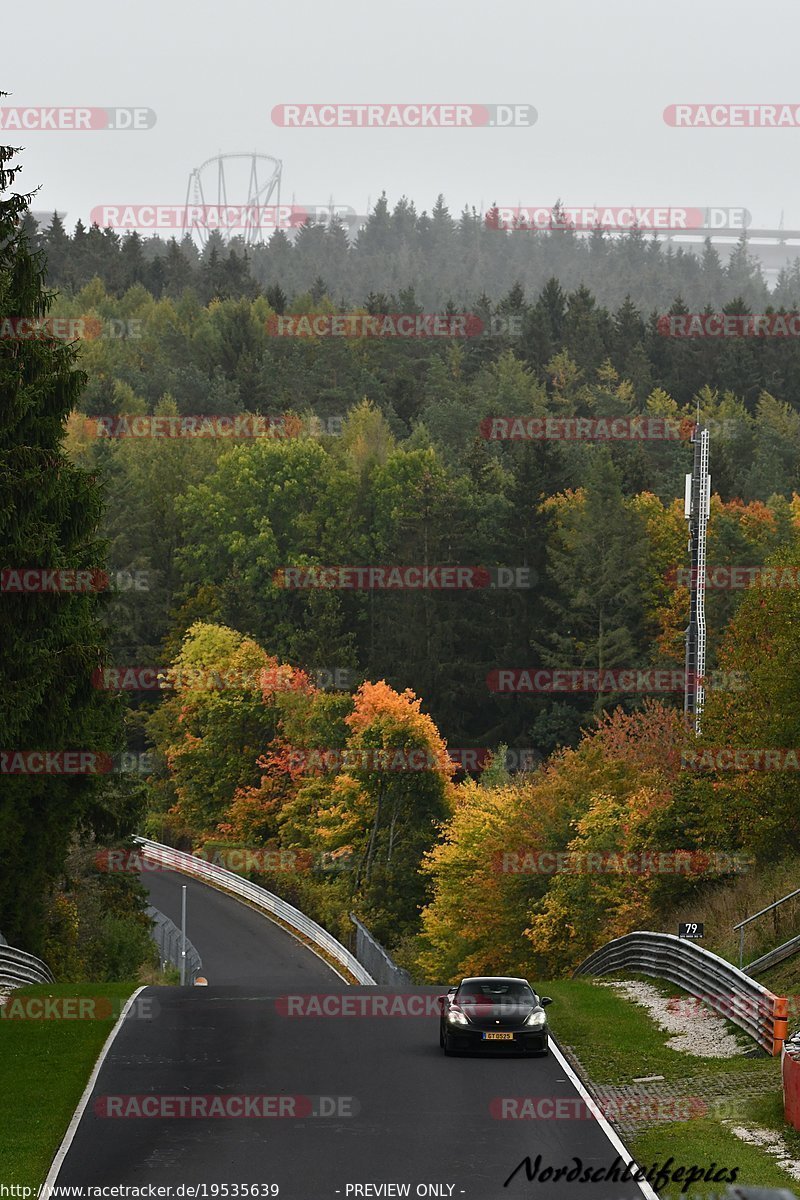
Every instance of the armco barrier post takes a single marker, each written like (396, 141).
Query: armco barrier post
(781, 1015)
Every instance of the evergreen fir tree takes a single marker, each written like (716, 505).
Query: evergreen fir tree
(49, 643)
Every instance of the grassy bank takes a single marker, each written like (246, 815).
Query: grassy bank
(703, 1142)
(45, 1065)
(617, 1042)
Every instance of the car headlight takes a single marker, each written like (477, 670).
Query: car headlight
(457, 1018)
(537, 1018)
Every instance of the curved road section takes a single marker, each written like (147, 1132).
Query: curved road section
(279, 1080)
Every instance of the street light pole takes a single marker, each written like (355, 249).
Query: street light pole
(183, 935)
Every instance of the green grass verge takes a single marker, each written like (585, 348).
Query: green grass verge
(701, 1143)
(618, 1041)
(767, 1111)
(44, 1068)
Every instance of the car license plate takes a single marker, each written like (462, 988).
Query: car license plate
(498, 1037)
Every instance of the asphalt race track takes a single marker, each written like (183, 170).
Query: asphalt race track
(367, 1100)
(236, 943)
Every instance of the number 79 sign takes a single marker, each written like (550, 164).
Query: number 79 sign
(690, 929)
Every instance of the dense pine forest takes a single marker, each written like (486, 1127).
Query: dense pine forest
(434, 256)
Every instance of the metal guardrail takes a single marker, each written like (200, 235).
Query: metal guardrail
(371, 954)
(720, 985)
(167, 937)
(18, 968)
(755, 916)
(229, 881)
(785, 950)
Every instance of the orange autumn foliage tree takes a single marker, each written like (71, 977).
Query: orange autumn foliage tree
(498, 900)
(310, 732)
(223, 705)
(475, 920)
(359, 782)
(386, 802)
(632, 834)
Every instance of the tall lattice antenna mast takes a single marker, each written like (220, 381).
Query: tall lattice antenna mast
(697, 501)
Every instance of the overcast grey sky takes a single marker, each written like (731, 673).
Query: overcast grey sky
(598, 74)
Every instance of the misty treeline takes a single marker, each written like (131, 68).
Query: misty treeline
(427, 259)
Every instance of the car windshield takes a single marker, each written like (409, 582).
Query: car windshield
(496, 993)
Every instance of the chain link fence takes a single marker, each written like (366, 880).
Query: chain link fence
(372, 955)
(167, 937)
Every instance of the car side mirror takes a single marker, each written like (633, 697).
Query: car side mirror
(544, 1000)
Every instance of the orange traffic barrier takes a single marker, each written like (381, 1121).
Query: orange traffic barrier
(790, 1071)
(780, 1014)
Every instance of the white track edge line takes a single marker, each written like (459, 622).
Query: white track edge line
(608, 1130)
(77, 1116)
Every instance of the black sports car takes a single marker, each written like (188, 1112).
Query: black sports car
(494, 1014)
